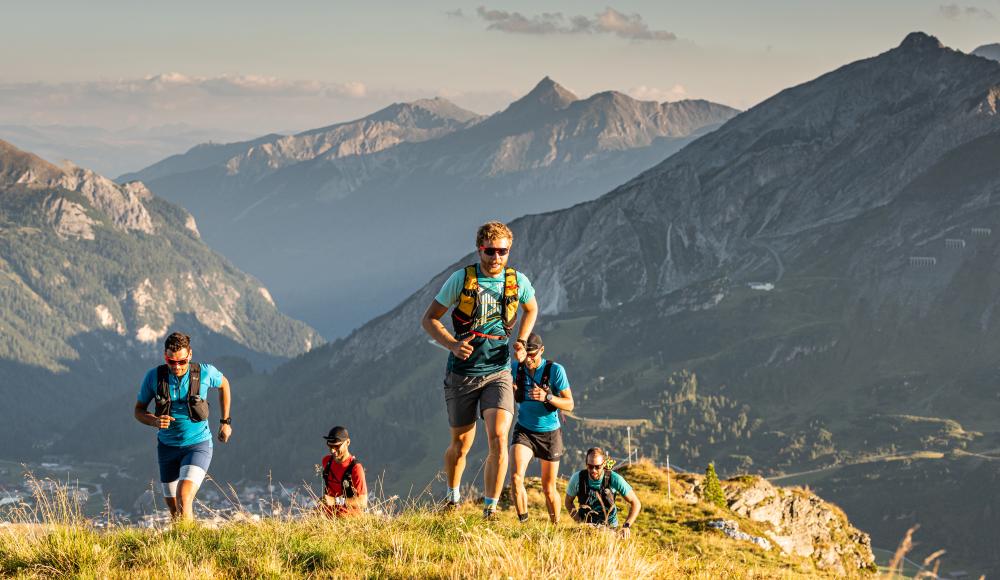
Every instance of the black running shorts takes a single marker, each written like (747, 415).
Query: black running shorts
(547, 446)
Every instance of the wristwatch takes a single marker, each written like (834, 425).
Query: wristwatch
(523, 341)
(548, 397)
(226, 421)
(626, 525)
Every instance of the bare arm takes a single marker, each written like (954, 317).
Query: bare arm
(527, 325)
(431, 323)
(359, 502)
(143, 416)
(634, 507)
(571, 505)
(225, 398)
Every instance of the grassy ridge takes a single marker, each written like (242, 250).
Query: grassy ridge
(671, 540)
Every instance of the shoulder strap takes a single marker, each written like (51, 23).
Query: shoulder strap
(606, 482)
(582, 490)
(470, 292)
(349, 470)
(546, 373)
(162, 382)
(194, 381)
(326, 473)
(510, 302)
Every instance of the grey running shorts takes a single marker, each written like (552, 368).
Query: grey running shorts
(463, 394)
(547, 446)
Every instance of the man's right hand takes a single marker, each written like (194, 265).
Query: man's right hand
(461, 348)
(163, 421)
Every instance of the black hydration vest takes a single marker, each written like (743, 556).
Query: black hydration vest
(601, 502)
(521, 383)
(346, 484)
(197, 407)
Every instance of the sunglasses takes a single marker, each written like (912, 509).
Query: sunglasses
(494, 251)
(177, 362)
(599, 466)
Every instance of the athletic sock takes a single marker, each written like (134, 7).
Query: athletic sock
(490, 503)
(454, 495)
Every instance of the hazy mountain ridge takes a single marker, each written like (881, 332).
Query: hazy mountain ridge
(546, 150)
(860, 203)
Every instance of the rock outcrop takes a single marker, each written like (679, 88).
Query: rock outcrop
(799, 522)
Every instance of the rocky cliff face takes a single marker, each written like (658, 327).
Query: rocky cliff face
(798, 521)
(358, 184)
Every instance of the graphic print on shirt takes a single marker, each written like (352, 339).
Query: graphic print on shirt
(489, 308)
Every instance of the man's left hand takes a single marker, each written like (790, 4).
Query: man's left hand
(225, 431)
(625, 533)
(535, 394)
(520, 353)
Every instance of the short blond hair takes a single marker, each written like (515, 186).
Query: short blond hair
(492, 231)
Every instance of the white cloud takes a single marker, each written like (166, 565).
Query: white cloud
(611, 21)
(644, 93)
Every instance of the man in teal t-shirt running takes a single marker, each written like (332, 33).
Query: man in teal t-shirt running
(486, 297)
(542, 390)
(184, 440)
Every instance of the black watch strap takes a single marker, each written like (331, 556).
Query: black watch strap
(226, 421)
(626, 525)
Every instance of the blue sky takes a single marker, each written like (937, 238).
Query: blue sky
(261, 66)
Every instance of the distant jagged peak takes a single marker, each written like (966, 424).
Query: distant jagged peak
(548, 93)
(921, 41)
(990, 51)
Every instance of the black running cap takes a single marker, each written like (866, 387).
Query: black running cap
(338, 434)
(534, 342)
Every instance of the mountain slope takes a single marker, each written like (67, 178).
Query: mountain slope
(93, 275)
(811, 286)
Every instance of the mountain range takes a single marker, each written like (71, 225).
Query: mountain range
(355, 199)
(93, 275)
(808, 292)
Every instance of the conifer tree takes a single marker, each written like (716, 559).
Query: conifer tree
(713, 489)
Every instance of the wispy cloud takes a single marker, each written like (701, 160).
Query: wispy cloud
(644, 93)
(611, 21)
(955, 12)
(229, 101)
(456, 13)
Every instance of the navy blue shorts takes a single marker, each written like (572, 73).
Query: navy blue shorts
(190, 462)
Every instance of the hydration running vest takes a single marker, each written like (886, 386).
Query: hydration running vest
(197, 407)
(521, 384)
(346, 485)
(602, 508)
(464, 314)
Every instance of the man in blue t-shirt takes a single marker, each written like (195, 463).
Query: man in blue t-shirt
(486, 297)
(597, 500)
(542, 390)
(184, 440)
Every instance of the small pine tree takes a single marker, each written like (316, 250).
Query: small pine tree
(713, 489)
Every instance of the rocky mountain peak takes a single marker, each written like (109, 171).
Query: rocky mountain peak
(990, 51)
(123, 206)
(547, 96)
(921, 41)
